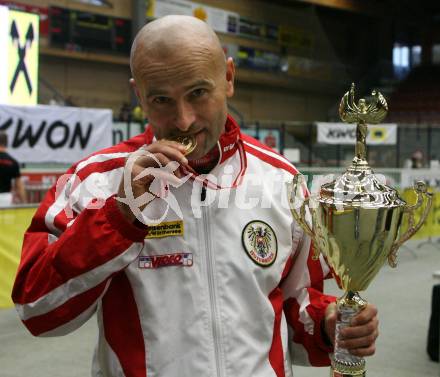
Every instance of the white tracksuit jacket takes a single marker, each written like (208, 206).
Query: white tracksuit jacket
(225, 288)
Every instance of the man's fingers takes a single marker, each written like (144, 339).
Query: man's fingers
(365, 315)
(360, 337)
(174, 151)
(330, 321)
(172, 143)
(149, 157)
(351, 332)
(148, 173)
(362, 352)
(151, 171)
(359, 342)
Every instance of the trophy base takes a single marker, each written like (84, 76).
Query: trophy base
(334, 373)
(341, 368)
(344, 364)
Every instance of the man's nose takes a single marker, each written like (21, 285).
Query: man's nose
(185, 116)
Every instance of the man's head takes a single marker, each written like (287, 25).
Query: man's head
(182, 79)
(3, 140)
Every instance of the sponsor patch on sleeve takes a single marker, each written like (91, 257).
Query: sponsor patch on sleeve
(166, 229)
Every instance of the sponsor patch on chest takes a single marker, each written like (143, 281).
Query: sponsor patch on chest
(166, 260)
(166, 229)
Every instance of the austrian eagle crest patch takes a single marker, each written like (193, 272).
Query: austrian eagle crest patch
(260, 243)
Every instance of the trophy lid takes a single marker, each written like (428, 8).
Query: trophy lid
(359, 186)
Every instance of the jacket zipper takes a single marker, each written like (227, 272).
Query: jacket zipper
(210, 266)
(203, 194)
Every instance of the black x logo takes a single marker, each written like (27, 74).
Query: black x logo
(21, 50)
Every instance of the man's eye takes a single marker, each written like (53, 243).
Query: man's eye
(161, 100)
(198, 92)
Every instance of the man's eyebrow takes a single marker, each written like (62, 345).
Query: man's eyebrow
(159, 92)
(198, 83)
(203, 82)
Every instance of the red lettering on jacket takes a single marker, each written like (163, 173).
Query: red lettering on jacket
(156, 261)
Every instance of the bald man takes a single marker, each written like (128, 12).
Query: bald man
(180, 238)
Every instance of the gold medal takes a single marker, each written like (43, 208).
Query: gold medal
(189, 142)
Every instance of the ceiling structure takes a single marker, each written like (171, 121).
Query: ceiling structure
(410, 20)
(383, 8)
(372, 7)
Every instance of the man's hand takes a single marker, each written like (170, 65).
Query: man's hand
(164, 152)
(360, 337)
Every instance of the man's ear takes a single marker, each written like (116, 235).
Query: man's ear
(139, 97)
(230, 76)
(136, 90)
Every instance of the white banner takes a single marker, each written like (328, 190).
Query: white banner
(55, 134)
(343, 133)
(430, 176)
(219, 19)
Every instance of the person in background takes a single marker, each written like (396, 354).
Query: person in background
(417, 159)
(125, 113)
(11, 185)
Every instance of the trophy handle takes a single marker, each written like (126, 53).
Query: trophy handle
(422, 196)
(298, 183)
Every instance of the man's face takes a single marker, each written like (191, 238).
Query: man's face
(187, 96)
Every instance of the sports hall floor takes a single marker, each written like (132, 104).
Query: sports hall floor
(403, 296)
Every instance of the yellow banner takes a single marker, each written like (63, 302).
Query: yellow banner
(151, 5)
(13, 224)
(431, 227)
(23, 58)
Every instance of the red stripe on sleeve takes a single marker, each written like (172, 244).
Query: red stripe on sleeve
(271, 160)
(317, 356)
(101, 167)
(276, 354)
(64, 313)
(314, 344)
(316, 310)
(67, 214)
(122, 327)
(90, 242)
(259, 144)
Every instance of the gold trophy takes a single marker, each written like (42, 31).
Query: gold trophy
(356, 221)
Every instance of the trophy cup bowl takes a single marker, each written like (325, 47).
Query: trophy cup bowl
(356, 224)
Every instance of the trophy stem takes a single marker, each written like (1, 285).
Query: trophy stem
(344, 364)
(361, 144)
